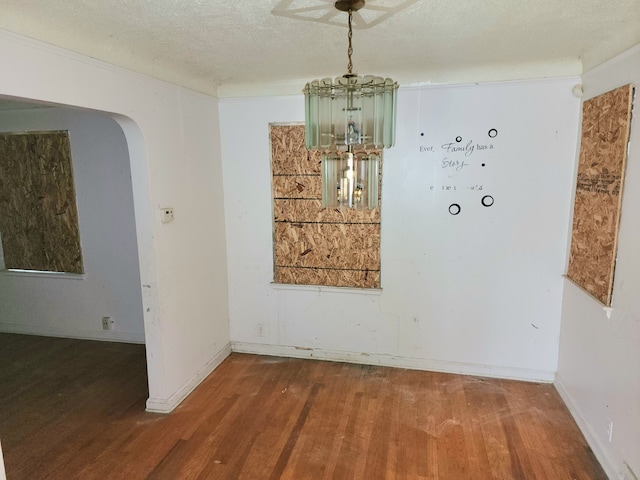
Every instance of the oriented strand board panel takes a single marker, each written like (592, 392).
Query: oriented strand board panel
(38, 213)
(289, 156)
(315, 245)
(323, 245)
(603, 154)
(335, 278)
(310, 210)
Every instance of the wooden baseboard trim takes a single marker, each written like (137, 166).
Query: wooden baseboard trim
(159, 405)
(101, 336)
(585, 427)
(541, 376)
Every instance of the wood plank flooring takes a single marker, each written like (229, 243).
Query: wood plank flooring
(72, 409)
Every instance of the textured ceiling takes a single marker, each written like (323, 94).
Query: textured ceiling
(323, 11)
(254, 47)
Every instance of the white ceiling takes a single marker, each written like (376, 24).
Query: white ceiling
(231, 48)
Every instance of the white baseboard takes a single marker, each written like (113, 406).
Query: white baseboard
(100, 335)
(159, 405)
(396, 361)
(3, 475)
(592, 439)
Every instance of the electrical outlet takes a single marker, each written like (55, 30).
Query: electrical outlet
(260, 330)
(107, 323)
(167, 215)
(610, 430)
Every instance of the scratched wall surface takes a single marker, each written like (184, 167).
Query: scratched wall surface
(38, 213)
(315, 245)
(603, 154)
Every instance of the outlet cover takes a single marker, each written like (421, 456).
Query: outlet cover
(107, 322)
(167, 215)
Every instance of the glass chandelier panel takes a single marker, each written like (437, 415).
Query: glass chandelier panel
(350, 111)
(350, 180)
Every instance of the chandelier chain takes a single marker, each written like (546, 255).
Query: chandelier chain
(350, 49)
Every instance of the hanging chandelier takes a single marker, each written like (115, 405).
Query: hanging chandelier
(350, 114)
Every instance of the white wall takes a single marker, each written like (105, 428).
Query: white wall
(173, 139)
(70, 306)
(599, 360)
(476, 293)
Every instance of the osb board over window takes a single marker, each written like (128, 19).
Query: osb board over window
(603, 154)
(315, 245)
(38, 214)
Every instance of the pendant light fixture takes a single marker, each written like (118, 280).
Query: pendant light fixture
(350, 115)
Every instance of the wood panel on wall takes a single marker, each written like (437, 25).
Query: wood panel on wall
(315, 245)
(38, 213)
(603, 154)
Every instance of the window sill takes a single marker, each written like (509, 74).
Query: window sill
(323, 288)
(39, 274)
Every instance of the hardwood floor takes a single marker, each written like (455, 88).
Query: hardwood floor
(72, 409)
